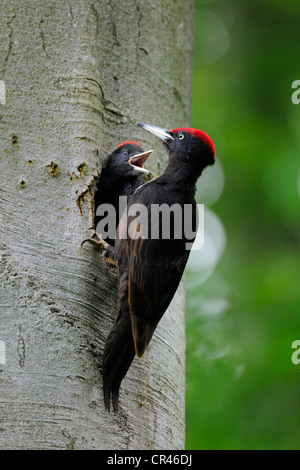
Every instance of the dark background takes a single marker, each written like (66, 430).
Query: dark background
(243, 295)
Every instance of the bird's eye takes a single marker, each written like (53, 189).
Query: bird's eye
(125, 154)
(180, 136)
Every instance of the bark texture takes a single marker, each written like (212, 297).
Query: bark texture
(78, 76)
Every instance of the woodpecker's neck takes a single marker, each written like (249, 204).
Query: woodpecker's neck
(180, 175)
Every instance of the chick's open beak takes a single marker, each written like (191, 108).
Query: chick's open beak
(137, 161)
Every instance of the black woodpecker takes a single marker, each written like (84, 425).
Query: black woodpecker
(122, 175)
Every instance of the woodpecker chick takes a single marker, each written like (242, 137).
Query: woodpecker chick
(125, 169)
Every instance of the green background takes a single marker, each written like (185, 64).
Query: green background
(243, 289)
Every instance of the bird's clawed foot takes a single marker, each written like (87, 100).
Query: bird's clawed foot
(106, 249)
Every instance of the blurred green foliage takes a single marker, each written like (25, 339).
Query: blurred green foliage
(243, 302)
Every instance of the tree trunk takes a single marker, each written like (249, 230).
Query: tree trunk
(78, 75)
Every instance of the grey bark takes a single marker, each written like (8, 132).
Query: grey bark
(78, 76)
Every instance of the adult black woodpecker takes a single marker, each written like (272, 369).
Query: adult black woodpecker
(122, 175)
(151, 268)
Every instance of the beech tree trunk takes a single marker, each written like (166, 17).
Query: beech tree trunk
(77, 76)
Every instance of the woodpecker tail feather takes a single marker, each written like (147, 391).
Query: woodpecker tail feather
(119, 351)
(118, 355)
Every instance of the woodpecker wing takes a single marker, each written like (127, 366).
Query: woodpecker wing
(151, 289)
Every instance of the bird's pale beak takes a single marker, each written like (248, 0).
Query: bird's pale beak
(138, 160)
(159, 132)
